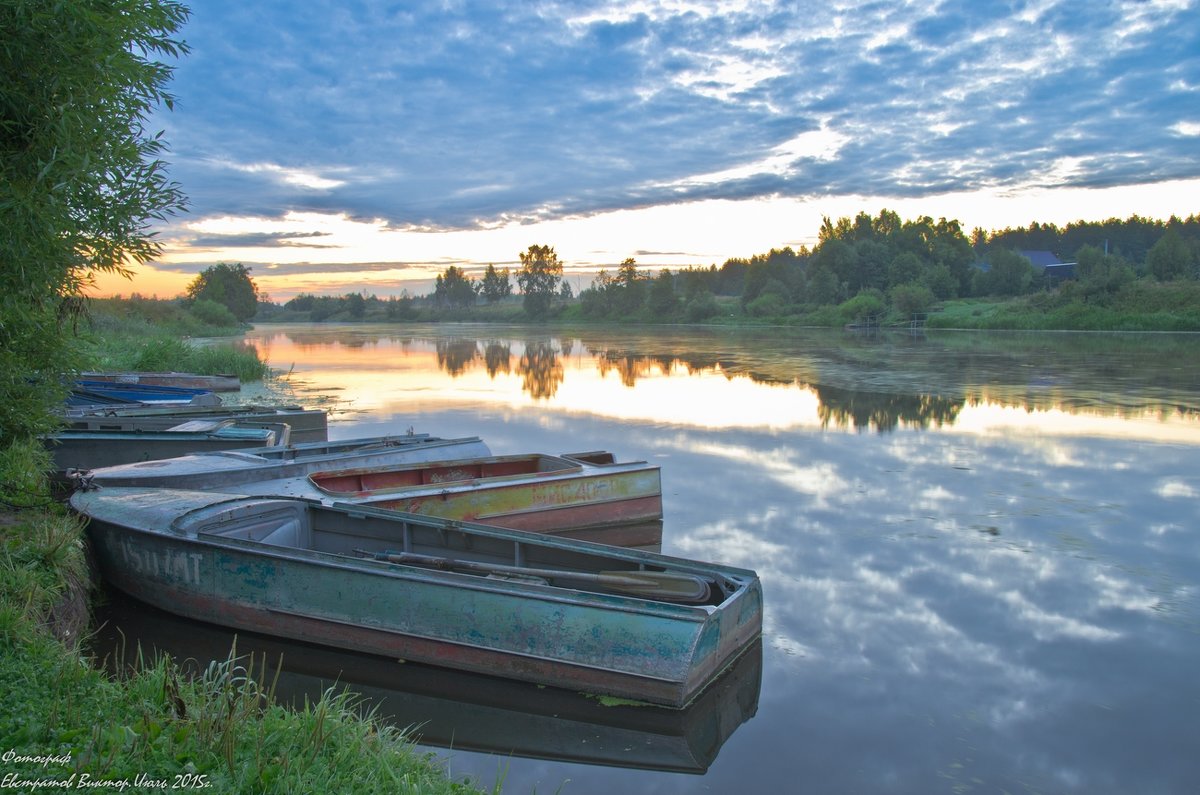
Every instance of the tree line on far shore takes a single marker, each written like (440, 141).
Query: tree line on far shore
(866, 266)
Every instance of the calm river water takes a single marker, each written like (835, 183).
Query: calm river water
(978, 551)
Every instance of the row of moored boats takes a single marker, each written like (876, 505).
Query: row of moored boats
(536, 567)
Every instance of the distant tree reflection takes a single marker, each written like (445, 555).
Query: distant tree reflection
(630, 367)
(852, 408)
(540, 369)
(497, 357)
(455, 355)
(859, 384)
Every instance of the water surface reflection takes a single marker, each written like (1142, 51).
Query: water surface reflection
(978, 551)
(878, 383)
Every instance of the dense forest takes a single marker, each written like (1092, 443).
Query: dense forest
(863, 269)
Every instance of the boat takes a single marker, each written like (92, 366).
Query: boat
(575, 494)
(307, 425)
(85, 392)
(221, 382)
(558, 612)
(73, 449)
(442, 707)
(226, 470)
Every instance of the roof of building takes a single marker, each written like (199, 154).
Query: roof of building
(1041, 259)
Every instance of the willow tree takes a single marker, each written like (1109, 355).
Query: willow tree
(81, 177)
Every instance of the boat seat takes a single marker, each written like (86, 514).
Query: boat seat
(283, 529)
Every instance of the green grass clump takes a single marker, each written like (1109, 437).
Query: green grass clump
(166, 353)
(66, 721)
(23, 468)
(1140, 306)
(152, 335)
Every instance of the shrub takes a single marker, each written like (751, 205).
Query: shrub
(213, 314)
(910, 298)
(867, 302)
(768, 305)
(701, 307)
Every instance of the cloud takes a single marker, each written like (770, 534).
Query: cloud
(257, 240)
(454, 116)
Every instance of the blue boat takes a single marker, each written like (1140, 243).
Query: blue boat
(105, 392)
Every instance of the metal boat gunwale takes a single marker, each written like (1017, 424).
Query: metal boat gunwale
(459, 581)
(184, 526)
(232, 469)
(549, 509)
(180, 526)
(572, 469)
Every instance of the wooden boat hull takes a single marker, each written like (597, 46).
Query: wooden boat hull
(308, 425)
(231, 470)
(287, 568)
(537, 493)
(224, 382)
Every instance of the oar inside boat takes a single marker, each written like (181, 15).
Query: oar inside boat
(661, 585)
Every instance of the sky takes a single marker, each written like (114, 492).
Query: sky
(338, 146)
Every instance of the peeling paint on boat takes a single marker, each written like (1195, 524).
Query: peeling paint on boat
(286, 567)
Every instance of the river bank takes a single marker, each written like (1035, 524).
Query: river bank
(1143, 305)
(66, 723)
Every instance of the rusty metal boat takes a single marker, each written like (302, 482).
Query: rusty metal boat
(255, 468)
(447, 708)
(74, 449)
(574, 494)
(555, 611)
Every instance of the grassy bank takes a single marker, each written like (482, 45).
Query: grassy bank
(1139, 306)
(61, 717)
(1144, 305)
(151, 335)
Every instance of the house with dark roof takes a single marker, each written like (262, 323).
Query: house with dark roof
(1052, 270)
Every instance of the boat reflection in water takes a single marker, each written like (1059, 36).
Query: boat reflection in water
(454, 709)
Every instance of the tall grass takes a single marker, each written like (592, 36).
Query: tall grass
(165, 352)
(23, 468)
(219, 730)
(1140, 306)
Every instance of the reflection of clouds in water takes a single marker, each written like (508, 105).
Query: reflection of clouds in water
(1005, 563)
(1173, 487)
(923, 590)
(1122, 594)
(1047, 625)
(822, 480)
(734, 544)
(933, 498)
